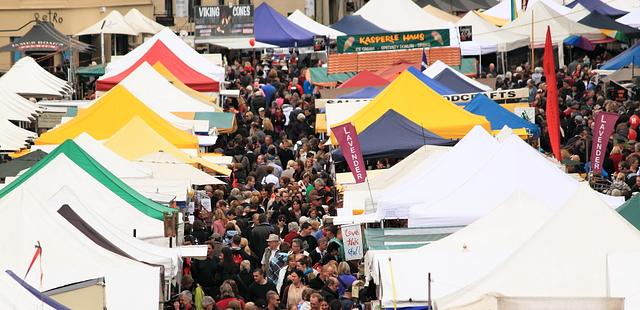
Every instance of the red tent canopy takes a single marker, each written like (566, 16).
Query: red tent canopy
(364, 79)
(159, 52)
(391, 72)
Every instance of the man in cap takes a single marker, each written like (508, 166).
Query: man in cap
(273, 243)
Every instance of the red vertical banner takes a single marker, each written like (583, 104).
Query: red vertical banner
(604, 125)
(553, 113)
(350, 145)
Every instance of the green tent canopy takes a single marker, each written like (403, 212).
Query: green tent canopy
(97, 171)
(97, 70)
(404, 238)
(320, 75)
(630, 210)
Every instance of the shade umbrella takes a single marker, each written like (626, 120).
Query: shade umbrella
(580, 42)
(113, 23)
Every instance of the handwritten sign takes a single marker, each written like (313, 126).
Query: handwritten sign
(353, 245)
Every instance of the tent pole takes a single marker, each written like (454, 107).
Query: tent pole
(533, 51)
(102, 49)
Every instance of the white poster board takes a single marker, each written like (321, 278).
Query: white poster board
(527, 113)
(353, 244)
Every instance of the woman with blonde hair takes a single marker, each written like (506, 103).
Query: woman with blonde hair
(219, 224)
(267, 127)
(345, 278)
(244, 243)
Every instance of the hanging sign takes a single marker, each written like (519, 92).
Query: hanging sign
(352, 239)
(222, 20)
(602, 130)
(393, 41)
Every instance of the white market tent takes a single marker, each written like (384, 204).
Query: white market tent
(339, 112)
(631, 19)
(434, 69)
(117, 212)
(148, 85)
(12, 137)
(566, 258)
(307, 23)
(450, 171)
(484, 189)
(28, 79)
(542, 15)
(140, 23)
(16, 108)
(355, 195)
(177, 46)
(34, 221)
(113, 23)
(167, 167)
(488, 38)
(400, 15)
(578, 12)
(624, 5)
(135, 248)
(113, 162)
(502, 10)
(240, 43)
(13, 295)
(170, 177)
(458, 259)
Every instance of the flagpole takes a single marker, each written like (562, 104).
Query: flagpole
(533, 50)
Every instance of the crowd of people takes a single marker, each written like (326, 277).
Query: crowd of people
(271, 243)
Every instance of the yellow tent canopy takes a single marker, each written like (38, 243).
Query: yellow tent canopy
(492, 19)
(416, 101)
(137, 139)
(184, 88)
(109, 113)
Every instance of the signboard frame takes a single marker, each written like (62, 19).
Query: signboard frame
(223, 20)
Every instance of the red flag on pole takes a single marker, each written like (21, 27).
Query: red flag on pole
(36, 255)
(553, 114)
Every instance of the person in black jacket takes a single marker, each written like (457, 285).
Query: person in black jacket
(259, 235)
(258, 289)
(229, 267)
(207, 272)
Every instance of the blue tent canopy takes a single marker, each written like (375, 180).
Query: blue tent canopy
(454, 82)
(363, 93)
(598, 6)
(44, 298)
(626, 58)
(393, 135)
(499, 116)
(273, 28)
(356, 24)
(439, 87)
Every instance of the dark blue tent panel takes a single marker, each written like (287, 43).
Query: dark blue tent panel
(597, 20)
(626, 58)
(439, 87)
(454, 82)
(45, 299)
(598, 6)
(363, 93)
(355, 24)
(273, 28)
(499, 116)
(393, 135)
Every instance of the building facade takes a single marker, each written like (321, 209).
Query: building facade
(68, 16)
